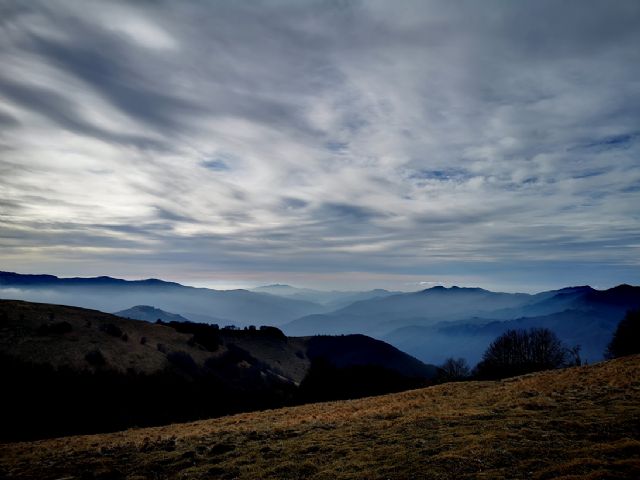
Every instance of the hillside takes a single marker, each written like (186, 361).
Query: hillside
(582, 422)
(109, 372)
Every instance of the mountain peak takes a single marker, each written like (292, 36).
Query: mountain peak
(577, 288)
(454, 288)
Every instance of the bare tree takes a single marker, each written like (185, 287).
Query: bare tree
(453, 369)
(517, 352)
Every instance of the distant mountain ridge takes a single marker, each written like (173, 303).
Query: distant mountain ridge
(15, 279)
(240, 307)
(431, 324)
(439, 322)
(331, 299)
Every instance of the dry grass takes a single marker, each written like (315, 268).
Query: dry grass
(577, 423)
(18, 339)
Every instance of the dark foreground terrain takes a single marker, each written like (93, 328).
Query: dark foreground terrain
(578, 423)
(68, 370)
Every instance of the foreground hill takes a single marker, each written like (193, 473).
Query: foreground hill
(102, 372)
(240, 307)
(578, 423)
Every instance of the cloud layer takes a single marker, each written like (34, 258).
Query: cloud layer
(323, 143)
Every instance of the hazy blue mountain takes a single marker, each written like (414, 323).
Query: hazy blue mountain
(332, 299)
(431, 342)
(590, 329)
(545, 303)
(150, 314)
(441, 322)
(378, 316)
(240, 307)
(351, 297)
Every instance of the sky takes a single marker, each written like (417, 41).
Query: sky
(328, 144)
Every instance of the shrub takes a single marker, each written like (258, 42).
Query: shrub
(272, 332)
(95, 358)
(58, 328)
(183, 361)
(626, 338)
(453, 369)
(230, 358)
(207, 336)
(111, 329)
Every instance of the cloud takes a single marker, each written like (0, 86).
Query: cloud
(320, 138)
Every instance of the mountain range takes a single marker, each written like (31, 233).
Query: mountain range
(238, 307)
(431, 324)
(439, 322)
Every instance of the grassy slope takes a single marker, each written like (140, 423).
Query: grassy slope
(18, 338)
(581, 422)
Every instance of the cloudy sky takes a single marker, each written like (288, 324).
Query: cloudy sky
(331, 144)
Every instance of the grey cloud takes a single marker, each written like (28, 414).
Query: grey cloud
(100, 66)
(325, 136)
(7, 120)
(57, 108)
